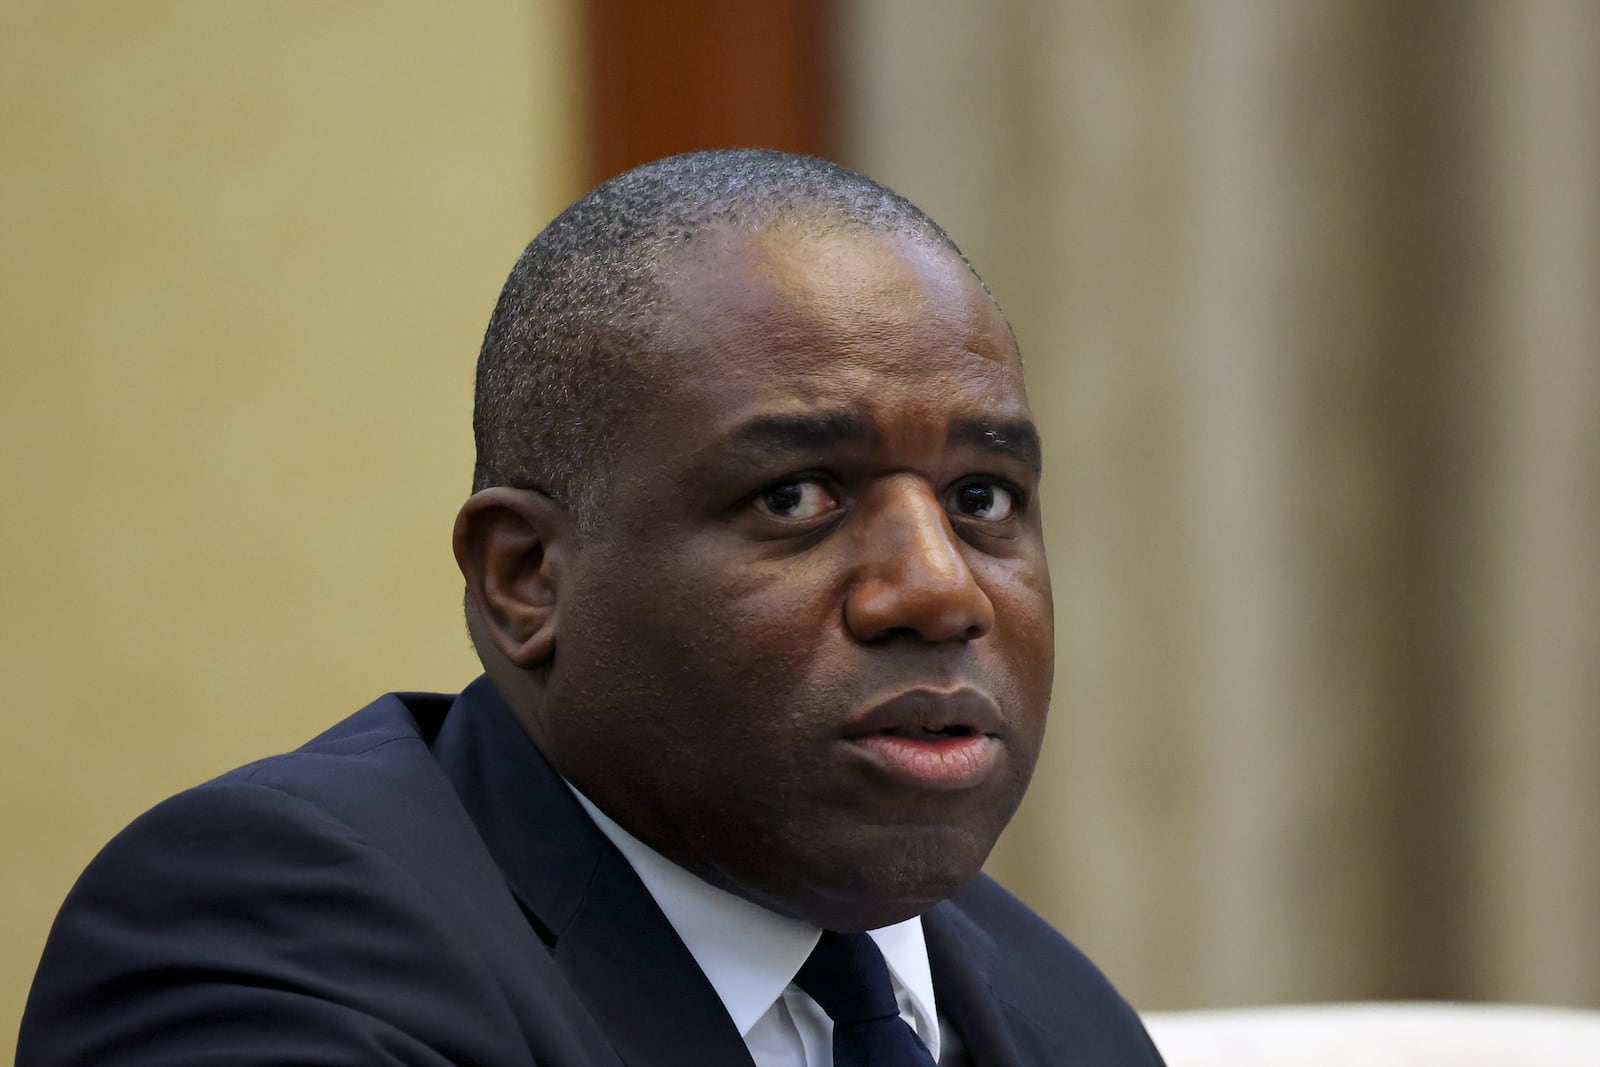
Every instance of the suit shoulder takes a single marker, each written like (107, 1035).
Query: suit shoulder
(362, 789)
(1008, 921)
(257, 909)
(394, 730)
(1039, 976)
(1044, 958)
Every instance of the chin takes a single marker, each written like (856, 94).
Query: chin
(883, 909)
(893, 886)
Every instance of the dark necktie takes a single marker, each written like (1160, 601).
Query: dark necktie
(846, 975)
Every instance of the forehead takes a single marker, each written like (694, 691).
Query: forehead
(793, 317)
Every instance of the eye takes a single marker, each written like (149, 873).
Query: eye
(988, 501)
(800, 499)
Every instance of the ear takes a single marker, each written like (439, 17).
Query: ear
(509, 544)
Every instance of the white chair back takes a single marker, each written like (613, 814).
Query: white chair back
(1379, 1035)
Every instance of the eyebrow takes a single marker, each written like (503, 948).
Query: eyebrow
(803, 433)
(1016, 439)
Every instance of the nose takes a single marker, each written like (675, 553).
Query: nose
(913, 578)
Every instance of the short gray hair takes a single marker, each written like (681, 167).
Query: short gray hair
(558, 360)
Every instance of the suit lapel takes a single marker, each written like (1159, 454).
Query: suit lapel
(964, 961)
(961, 960)
(608, 937)
(627, 962)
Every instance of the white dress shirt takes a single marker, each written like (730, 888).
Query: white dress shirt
(751, 955)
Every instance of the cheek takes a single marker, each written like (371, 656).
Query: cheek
(1024, 635)
(772, 617)
(1019, 589)
(707, 643)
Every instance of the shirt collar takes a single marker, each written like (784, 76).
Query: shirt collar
(751, 954)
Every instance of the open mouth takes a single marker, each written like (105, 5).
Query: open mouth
(923, 712)
(930, 738)
(926, 733)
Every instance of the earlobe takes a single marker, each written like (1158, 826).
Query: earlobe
(509, 544)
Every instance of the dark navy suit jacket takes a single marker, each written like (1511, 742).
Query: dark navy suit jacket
(417, 886)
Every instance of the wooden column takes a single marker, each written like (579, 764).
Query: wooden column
(668, 78)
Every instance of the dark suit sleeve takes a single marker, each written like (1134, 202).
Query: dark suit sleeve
(236, 924)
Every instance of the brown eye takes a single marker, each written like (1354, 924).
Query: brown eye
(803, 498)
(985, 500)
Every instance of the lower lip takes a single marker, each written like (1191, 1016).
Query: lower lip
(934, 763)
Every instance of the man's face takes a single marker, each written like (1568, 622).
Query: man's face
(806, 650)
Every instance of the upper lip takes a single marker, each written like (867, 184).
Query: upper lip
(931, 709)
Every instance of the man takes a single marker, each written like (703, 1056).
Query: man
(755, 570)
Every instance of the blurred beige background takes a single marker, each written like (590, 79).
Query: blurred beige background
(250, 250)
(1310, 295)
(1307, 293)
